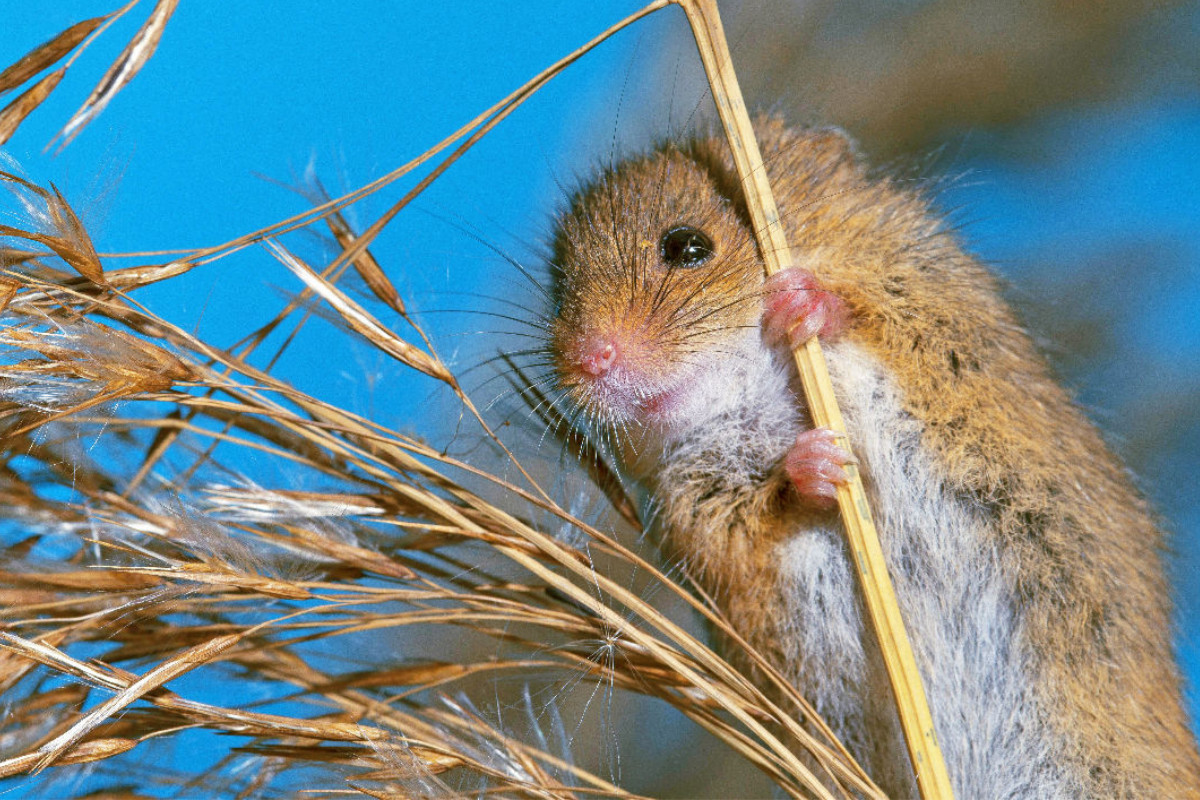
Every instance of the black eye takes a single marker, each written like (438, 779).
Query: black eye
(685, 247)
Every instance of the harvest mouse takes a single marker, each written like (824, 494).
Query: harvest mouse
(1026, 565)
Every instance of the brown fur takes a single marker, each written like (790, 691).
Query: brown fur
(1079, 544)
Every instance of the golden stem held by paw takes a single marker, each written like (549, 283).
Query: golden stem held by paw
(880, 597)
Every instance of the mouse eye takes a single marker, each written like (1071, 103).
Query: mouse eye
(685, 247)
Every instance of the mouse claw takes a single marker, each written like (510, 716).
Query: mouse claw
(815, 465)
(796, 308)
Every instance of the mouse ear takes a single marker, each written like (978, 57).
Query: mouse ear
(827, 152)
(834, 144)
(711, 153)
(824, 150)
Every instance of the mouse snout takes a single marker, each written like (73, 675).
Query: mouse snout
(598, 354)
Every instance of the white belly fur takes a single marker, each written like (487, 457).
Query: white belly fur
(957, 605)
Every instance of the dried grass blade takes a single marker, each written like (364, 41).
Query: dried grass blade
(424, 675)
(24, 184)
(96, 400)
(353, 756)
(223, 580)
(367, 560)
(81, 253)
(46, 54)
(72, 244)
(172, 668)
(14, 664)
(79, 754)
(360, 320)
(253, 724)
(432, 760)
(248, 723)
(90, 580)
(365, 264)
(128, 64)
(8, 290)
(15, 112)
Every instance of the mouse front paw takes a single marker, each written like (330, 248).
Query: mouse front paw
(815, 465)
(796, 308)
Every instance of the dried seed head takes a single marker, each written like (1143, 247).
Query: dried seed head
(53, 368)
(48, 219)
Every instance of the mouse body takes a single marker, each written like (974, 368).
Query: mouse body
(1027, 567)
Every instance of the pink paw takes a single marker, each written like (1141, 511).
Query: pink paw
(815, 466)
(795, 307)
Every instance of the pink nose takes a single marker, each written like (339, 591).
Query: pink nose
(598, 356)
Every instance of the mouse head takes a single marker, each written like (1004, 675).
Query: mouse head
(657, 275)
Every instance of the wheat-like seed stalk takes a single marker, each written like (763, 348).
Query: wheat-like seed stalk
(127, 435)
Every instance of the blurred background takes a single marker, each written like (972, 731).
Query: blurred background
(1065, 138)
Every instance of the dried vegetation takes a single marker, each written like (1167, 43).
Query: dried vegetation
(174, 513)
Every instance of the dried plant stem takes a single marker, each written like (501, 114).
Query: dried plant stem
(911, 703)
